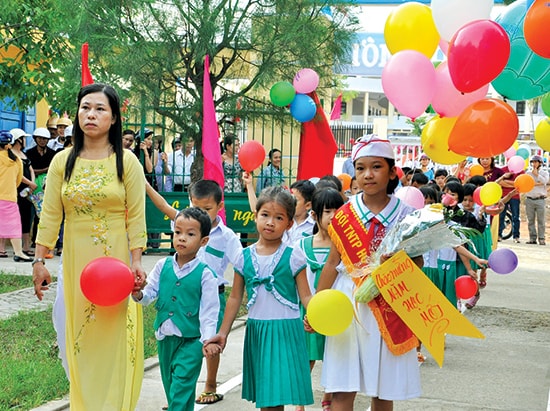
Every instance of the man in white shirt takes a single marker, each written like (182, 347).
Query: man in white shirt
(58, 143)
(179, 166)
(535, 202)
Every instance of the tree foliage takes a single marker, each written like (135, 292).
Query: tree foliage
(155, 49)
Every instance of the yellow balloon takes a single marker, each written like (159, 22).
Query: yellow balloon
(435, 139)
(490, 193)
(542, 134)
(330, 312)
(411, 27)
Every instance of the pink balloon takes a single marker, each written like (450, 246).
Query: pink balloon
(516, 164)
(448, 101)
(305, 81)
(408, 80)
(411, 196)
(478, 52)
(510, 152)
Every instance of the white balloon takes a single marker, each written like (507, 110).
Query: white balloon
(450, 15)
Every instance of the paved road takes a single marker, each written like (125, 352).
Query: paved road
(509, 370)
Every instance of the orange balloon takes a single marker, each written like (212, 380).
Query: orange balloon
(524, 183)
(485, 128)
(536, 28)
(476, 170)
(346, 181)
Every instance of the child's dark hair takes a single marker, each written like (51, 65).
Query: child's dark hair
(204, 189)
(334, 179)
(420, 179)
(452, 178)
(406, 170)
(478, 181)
(322, 200)
(323, 184)
(429, 192)
(440, 172)
(469, 189)
(195, 213)
(305, 187)
(279, 195)
(455, 187)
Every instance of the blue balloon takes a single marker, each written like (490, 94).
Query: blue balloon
(303, 108)
(527, 75)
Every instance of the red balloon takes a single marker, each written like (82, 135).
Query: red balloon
(477, 198)
(106, 281)
(466, 287)
(485, 128)
(478, 52)
(251, 155)
(536, 28)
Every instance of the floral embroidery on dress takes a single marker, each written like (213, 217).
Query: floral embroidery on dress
(85, 191)
(130, 327)
(90, 316)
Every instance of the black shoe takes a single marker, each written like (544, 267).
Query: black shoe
(18, 259)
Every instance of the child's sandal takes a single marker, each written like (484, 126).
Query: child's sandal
(326, 405)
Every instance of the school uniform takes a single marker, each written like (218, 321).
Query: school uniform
(299, 231)
(187, 312)
(223, 248)
(275, 361)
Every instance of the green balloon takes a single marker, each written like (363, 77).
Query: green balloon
(545, 104)
(282, 93)
(527, 75)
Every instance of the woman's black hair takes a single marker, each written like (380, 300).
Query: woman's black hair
(322, 200)
(270, 154)
(455, 187)
(228, 140)
(115, 132)
(279, 195)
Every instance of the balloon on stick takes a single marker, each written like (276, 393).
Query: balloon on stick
(490, 193)
(503, 261)
(251, 155)
(411, 196)
(106, 281)
(303, 108)
(472, 64)
(330, 312)
(408, 80)
(410, 26)
(485, 128)
(451, 15)
(524, 183)
(305, 81)
(466, 287)
(537, 29)
(542, 134)
(515, 164)
(526, 74)
(282, 93)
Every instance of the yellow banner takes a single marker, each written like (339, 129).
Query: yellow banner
(421, 305)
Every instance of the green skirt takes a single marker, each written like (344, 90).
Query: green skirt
(275, 363)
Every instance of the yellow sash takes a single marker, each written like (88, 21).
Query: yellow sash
(354, 242)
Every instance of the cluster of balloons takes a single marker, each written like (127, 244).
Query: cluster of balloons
(330, 312)
(106, 281)
(479, 52)
(302, 106)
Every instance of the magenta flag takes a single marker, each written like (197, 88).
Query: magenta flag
(211, 151)
(336, 109)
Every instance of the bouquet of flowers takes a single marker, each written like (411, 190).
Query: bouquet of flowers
(429, 228)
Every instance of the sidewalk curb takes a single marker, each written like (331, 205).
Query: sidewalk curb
(148, 364)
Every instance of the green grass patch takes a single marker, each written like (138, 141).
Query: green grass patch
(32, 374)
(14, 282)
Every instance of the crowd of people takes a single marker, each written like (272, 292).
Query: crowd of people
(95, 194)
